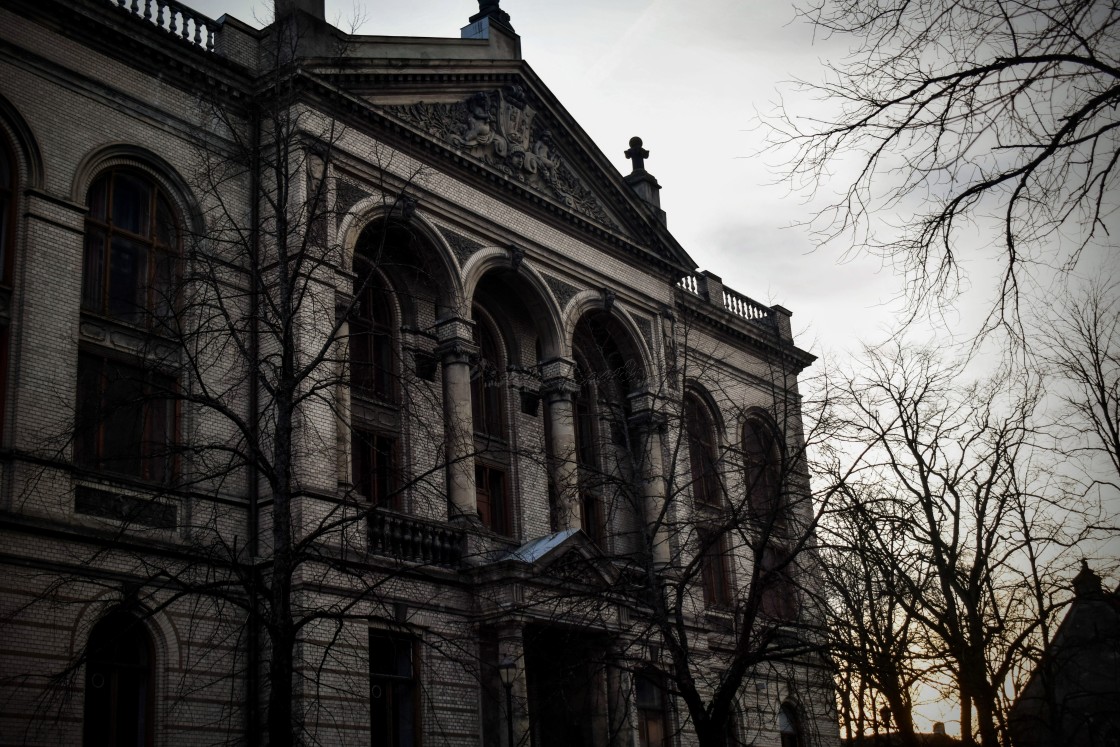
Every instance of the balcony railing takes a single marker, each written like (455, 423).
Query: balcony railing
(414, 540)
(176, 19)
(748, 308)
(709, 287)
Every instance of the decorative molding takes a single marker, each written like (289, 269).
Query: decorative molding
(501, 129)
(564, 292)
(347, 194)
(645, 326)
(460, 245)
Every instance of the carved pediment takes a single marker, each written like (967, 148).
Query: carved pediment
(501, 129)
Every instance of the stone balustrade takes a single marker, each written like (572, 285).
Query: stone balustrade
(414, 540)
(176, 19)
(748, 308)
(710, 287)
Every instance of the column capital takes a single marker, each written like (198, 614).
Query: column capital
(456, 340)
(558, 378)
(455, 328)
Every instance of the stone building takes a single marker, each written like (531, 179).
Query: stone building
(1073, 695)
(350, 366)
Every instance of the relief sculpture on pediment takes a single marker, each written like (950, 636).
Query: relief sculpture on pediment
(501, 129)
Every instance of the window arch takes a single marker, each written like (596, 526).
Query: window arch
(119, 683)
(763, 463)
(133, 239)
(703, 453)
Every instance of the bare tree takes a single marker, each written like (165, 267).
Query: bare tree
(874, 638)
(948, 115)
(965, 532)
(1081, 347)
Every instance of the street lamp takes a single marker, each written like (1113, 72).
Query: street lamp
(507, 670)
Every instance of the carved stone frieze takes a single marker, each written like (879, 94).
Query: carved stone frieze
(460, 245)
(501, 129)
(346, 195)
(564, 292)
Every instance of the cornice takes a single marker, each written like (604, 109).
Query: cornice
(763, 338)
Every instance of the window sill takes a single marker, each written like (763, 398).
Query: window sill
(125, 506)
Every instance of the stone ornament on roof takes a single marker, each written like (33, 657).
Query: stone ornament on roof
(501, 129)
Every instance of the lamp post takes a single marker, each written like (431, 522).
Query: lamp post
(506, 671)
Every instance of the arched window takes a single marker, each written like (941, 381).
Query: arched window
(789, 727)
(702, 451)
(779, 590)
(119, 695)
(487, 381)
(763, 471)
(8, 191)
(586, 416)
(132, 242)
(372, 369)
(488, 410)
(127, 414)
(9, 188)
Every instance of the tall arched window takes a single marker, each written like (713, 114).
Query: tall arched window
(127, 413)
(132, 242)
(488, 409)
(789, 727)
(372, 363)
(763, 471)
(119, 696)
(487, 380)
(702, 451)
(8, 191)
(586, 416)
(375, 417)
(9, 188)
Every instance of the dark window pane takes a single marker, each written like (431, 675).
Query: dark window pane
(99, 199)
(121, 258)
(128, 279)
(132, 200)
(94, 271)
(167, 227)
(125, 419)
(374, 467)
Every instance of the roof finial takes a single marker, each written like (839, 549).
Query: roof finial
(637, 154)
(489, 9)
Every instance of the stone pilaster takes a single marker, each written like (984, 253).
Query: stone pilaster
(650, 424)
(559, 388)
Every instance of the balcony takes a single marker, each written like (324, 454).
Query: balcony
(414, 540)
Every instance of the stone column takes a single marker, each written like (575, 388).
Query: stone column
(559, 388)
(650, 424)
(511, 647)
(456, 347)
